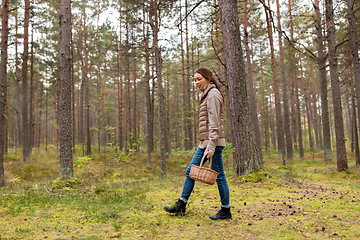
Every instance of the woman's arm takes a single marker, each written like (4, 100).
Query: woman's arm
(214, 104)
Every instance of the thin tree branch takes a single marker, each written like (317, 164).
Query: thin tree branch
(187, 14)
(218, 78)
(212, 43)
(311, 54)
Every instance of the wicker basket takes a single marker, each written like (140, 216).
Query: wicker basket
(202, 174)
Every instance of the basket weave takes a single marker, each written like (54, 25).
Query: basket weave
(202, 174)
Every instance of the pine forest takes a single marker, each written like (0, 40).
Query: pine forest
(111, 81)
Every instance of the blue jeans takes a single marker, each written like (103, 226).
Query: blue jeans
(217, 165)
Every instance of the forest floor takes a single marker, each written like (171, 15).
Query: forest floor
(119, 197)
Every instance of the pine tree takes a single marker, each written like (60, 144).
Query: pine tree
(3, 83)
(246, 156)
(65, 122)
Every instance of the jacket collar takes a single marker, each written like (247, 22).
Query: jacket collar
(206, 90)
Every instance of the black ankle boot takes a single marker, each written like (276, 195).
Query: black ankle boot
(224, 213)
(179, 208)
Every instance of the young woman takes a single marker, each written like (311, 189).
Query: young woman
(212, 142)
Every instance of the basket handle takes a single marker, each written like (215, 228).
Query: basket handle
(202, 160)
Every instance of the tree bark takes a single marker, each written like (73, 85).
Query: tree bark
(87, 89)
(17, 89)
(323, 85)
(154, 20)
(246, 156)
(103, 98)
(336, 94)
(296, 87)
(252, 100)
(149, 116)
(72, 89)
(265, 109)
(313, 110)
(31, 102)
(40, 110)
(289, 145)
(127, 85)
(188, 129)
(99, 108)
(120, 91)
(46, 119)
(355, 128)
(25, 103)
(272, 126)
(3, 83)
(183, 86)
(135, 100)
(307, 106)
(354, 49)
(279, 122)
(65, 122)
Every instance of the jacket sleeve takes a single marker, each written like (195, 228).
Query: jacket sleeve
(214, 103)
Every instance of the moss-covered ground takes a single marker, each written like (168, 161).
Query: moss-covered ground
(114, 196)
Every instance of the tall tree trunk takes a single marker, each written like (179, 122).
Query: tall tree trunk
(289, 145)
(46, 119)
(272, 126)
(246, 156)
(104, 105)
(313, 110)
(149, 116)
(349, 117)
(354, 49)
(195, 123)
(81, 91)
(135, 99)
(120, 91)
(323, 85)
(65, 122)
(217, 45)
(98, 105)
(279, 122)
(25, 88)
(154, 20)
(40, 110)
(72, 89)
(307, 106)
(127, 85)
(17, 89)
(56, 96)
(81, 111)
(3, 83)
(338, 118)
(355, 128)
(86, 84)
(265, 109)
(31, 118)
(296, 86)
(185, 142)
(252, 100)
(188, 131)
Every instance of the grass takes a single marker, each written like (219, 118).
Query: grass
(308, 199)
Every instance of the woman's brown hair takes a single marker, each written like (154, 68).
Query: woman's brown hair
(207, 74)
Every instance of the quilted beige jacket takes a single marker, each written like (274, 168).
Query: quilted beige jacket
(211, 124)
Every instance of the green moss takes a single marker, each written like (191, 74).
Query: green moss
(308, 199)
(259, 175)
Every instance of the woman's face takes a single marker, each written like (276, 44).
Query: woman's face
(200, 81)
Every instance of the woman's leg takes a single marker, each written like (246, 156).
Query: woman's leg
(217, 165)
(189, 183)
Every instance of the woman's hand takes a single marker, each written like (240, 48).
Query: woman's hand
(210, 153)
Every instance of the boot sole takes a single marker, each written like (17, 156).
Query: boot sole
(176, 213)
(215, 219)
